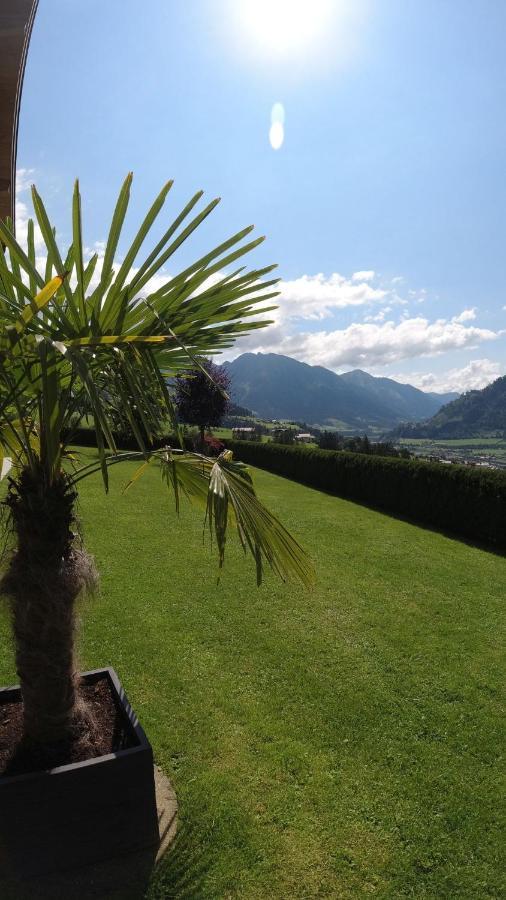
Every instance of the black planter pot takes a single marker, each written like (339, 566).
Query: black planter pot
(78, 815)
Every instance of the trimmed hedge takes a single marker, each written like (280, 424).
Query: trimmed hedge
(462, 499)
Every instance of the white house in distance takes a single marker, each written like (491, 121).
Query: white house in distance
(304, 438)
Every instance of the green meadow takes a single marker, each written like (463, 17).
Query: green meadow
(471, 447)
(340, 743)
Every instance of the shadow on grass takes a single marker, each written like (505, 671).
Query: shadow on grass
(477, 544)
(468, 540)
(181, 872)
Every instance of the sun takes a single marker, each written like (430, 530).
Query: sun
(284, 27)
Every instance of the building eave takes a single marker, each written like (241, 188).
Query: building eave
(16, 21)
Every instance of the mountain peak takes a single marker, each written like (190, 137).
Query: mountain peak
(280, 387)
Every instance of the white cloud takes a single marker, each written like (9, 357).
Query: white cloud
(23, 181)
(317, 296)
(370, 344)
(476, 375)
(98, 247)
(467, 315)
(365, 275)
(379, 317)
(380, 339)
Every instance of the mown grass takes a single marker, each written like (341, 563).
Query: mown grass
(335, 744)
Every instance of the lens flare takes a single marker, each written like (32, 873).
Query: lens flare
(278, 113)
(276, 135)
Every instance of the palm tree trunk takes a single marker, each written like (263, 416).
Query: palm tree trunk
(46, 574)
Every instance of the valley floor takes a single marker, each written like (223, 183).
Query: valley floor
(478, 451)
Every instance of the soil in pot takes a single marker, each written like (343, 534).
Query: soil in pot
(105, 730)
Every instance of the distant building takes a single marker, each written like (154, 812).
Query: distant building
(305, 438)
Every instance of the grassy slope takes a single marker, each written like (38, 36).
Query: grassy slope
(331, 745)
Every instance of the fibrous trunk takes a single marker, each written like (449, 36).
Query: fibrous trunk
(46, 574)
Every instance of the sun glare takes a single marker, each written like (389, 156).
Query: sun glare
(277, 129)
(284, 26)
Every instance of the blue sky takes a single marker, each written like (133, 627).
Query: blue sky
(384, 206)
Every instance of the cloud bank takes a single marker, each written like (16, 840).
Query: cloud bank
(475, 376)
(318, 296)
(371, 344)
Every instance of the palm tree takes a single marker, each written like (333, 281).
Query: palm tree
(71, 337)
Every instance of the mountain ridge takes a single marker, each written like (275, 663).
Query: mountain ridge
(473, 414)
(280, 387)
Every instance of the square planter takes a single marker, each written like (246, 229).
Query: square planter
(82, 813)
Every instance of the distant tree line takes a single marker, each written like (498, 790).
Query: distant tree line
(284, 435)
(331, 440)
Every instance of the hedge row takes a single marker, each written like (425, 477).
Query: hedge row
(461, 499)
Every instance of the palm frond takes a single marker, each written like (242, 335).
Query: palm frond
(227, 489)
(65, 345)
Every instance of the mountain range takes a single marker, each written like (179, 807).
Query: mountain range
(279, 387)
(474, 414)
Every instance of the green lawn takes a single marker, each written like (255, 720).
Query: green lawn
(337, 744)
(226, 433)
